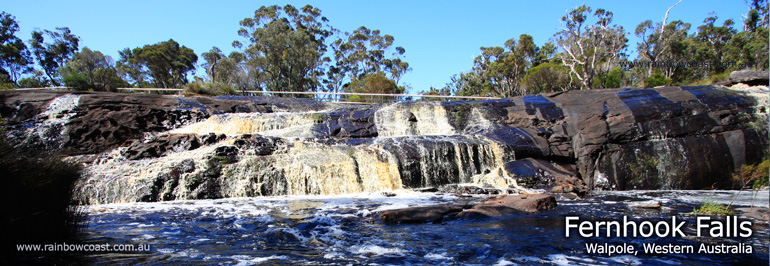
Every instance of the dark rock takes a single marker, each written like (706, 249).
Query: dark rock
(510, 204)
(352, 123)
(750, 77)
(430, 214)
(101, 121)
(259, 144)
(460, 189)
(160, 145)
(226, 151)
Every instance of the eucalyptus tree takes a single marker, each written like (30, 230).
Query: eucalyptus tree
(165, 64)
(52, 55)
(91, 70)
(15, 58)
(286, 47)
(363, 57)
(590, 49)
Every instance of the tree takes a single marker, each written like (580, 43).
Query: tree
(713, 39)
(655, 40)
(14, 56)
(590, 49)
(91, 70)
(38, 79)
(757, 16)
(751, 45)
(548, 77)
(212, 57)
(131, 69)
(373, 83)
(166, 63)
(366, 52)
(51, 56)
(286, 47)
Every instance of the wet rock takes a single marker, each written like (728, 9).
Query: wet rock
(230, 153)
(510, 204)
(430, 214)
(465, 189)
(100, 121)
(352, 123)
(259, 145)
(749, 77)
(159, 146)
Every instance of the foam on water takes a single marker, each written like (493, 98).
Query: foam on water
(341, 229)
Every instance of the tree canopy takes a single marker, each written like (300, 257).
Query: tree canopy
(51, 55)
(163, 65)
(15, 58)
(91, 70)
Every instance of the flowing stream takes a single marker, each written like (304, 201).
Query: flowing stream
(343, 230)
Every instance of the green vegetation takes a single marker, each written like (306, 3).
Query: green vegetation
(208, 89)
(160, 65)
(713, 208)
(287, 48)
(91, 70)
(754, 176)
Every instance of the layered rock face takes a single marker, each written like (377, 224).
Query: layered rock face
(140, 147)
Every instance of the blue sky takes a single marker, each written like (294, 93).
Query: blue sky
(441, 38)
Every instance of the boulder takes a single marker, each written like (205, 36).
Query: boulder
(430, 214)
(510, 204)
(750, 77)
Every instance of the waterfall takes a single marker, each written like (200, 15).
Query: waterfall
(415, 147)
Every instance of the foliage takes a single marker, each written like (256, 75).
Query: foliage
(285, 47)
(754, 176)
(590, 49)
(658, 79)
(713, 208)
(548, 77)
(38, 79)
(435, 92)
(15, 58)
(613, 79)
(38, 192)
(362, 53)
(209, 89)
(163, 65)
(51, 56)
(374, 83)
(91, 70)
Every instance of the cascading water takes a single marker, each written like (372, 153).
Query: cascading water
(416, 147)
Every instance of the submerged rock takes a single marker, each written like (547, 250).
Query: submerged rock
(495, 206)
(431, 214)
(510, 204)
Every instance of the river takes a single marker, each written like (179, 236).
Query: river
(343, 230)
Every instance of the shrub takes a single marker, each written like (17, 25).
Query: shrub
(713, 208)
(208, 89)
(657, 79)
(755, 176)
(37, 194)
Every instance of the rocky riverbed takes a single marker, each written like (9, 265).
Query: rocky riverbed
(145, 147)
(283, 181)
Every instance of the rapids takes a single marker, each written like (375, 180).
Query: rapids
(338, 230)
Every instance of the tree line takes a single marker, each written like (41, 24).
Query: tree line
(296, 49)
(590, 52)
(282, 49)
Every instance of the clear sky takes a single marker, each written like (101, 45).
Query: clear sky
(441, 38)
